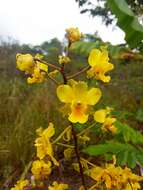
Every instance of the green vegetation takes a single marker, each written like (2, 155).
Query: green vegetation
(24, 108)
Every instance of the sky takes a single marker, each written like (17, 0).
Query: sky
(36, 21)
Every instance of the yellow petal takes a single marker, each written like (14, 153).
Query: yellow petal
(24, 62)
(80, 91)
(65, 93)
(100, 115)
(94, 57)
(49, 132)
(78, 114)
(93, 96)
(104, 78)
(42, 66)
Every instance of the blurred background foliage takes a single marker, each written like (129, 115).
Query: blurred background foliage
(24, 108)
(127, 14)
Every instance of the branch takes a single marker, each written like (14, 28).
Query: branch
(49, 64)
(78, 73)
(78, 157)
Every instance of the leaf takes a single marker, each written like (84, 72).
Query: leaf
(84, 48)
(95, 150)
(126, 154)
(129, 134)
(127, 21)
(139, 115)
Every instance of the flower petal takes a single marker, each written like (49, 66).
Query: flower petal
(94, 57)
(78, 113)
(80, 91)
(74, 118)
(65, 93)
(49, 132)
(93, 96)
(100, 115)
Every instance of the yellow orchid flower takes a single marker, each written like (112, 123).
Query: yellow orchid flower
(37, 70)
(73, 34)
(99, 62)
(41, 169)
(21, 185)
(25, 62)
(58, 186)
(53, 73)
(44, 145)
(37, 76)
(101, 116)
(79, 98)
(115, 177)
(64, 59)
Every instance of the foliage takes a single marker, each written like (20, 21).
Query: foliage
(127, 21)
(123, 145)
(100, 8)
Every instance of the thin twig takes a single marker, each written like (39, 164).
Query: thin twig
(65, 145)
(78, 73)
(61, 135)
(84, 130)
(54, 80)
(63, 73)
(49, 64)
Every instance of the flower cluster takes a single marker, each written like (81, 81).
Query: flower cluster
(100, 65)
(21, 185)
(112, 177)
(36, 69)
(103, 116)
(79, 99)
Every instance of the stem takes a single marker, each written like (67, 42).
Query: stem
(91, 164)
(49, 64)
(62, 134)
(63, 73)
(78, 157)
(65, 79)
(83, 131)
(78, 73)
(54, 80)
(65, 145)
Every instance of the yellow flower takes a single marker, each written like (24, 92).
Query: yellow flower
(64, 59)
(53, 73)
(58, 186)
(20, 185)
(73, 34)
(37, 70)
(99, 62)
(42, 66)
(101, 116)
(79, 98)
(115, 177)
(25, 62)
(37, 76)
(43, 143)
(40, 169)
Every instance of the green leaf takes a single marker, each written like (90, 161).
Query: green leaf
(126, 154)
(129, 134)
(84, 48)
(127, 21)
(139, 115)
